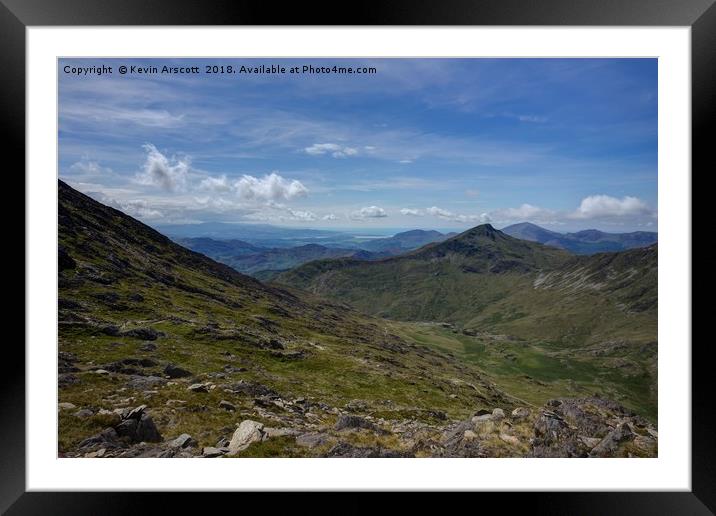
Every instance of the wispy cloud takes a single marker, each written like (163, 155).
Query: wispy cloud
(369, 212)
(335, 150)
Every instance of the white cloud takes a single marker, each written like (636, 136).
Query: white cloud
(369, 212)
(167, 173)
(138, 208)
(216, 184)
(303, 215)
(335, 150)
(329, 216)
(271, 187)
(405, 161)
(532, 118)
(87, 168)
(605, 206)
(455, 217)
(524, 212)
(411, 212)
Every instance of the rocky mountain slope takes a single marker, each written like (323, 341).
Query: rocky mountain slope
(165, 353)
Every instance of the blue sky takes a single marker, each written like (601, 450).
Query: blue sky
(423, 143)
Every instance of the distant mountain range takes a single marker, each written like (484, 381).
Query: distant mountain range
(265, 262)
(589, 241)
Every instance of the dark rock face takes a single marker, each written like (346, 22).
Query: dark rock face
(252, 389)
(143, 333)
(64, 260)
(138, 427)
(65, 362)
(590, 427)
(345, 450)
(143, 383)
(66, 379)
(148, 346)
(350, 421)
(107, 438)
(173, 371)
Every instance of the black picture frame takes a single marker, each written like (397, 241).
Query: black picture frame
(700, 15)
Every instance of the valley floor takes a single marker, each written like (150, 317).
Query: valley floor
(537, 371)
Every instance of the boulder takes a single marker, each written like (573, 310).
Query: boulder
(173, 371)
(498, 414)
(520, 413)
(248, 432)
(143, 333)
(346, 450)
(143, 383)
(350, 421)
(148, 346)
(608, 446)
(199, 387)
(210, 452)
(312, 439)
(66, 406)
(226, 405)
(106, 438)
(138, 426)
(183, 441)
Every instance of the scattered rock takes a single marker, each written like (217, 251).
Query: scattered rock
(350, 421)
(312, 439)
(510, 439)
(65, 362)
(226, 405)
(248, 432)
(608, 446)
(100, 371)
(83, 413)
(251, 389)
(148, 346)
(66, 406)
(107, 438)
(66, 379)
(211, 452)
(183, 441)
(281, 432)
(173, 371)
(199, 387)
(520, 413)
(143, 383)
(138, 426)
(345, 450)
(498, 414)
(289, 355)
(143, 333)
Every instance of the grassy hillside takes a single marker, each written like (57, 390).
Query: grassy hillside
(166, 353)
(484, 278)
(127, 295)
(575, 322)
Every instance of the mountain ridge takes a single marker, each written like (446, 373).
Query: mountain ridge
(587, 241)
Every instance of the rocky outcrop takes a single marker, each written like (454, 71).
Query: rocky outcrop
(591, 427)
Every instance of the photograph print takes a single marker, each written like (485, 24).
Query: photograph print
(357, 258)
